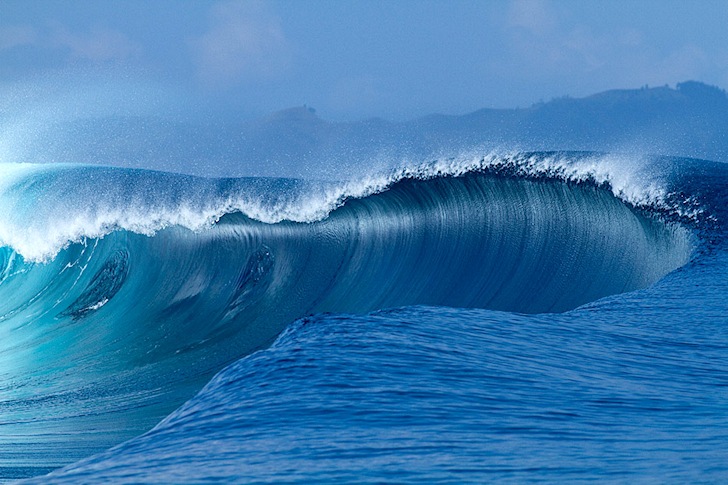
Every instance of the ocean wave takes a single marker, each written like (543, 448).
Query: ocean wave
(112, 329)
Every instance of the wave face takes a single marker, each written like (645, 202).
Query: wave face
(123, 291)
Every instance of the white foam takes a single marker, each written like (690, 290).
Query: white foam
(76, 203)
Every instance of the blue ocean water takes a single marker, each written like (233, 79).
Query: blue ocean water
(528, 317)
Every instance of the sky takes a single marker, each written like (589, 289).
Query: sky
(350, 59)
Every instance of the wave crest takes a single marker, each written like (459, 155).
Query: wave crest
(48, 207)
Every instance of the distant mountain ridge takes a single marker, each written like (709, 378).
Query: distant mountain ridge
(688, 120)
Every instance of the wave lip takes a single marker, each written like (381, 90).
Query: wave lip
(84, 202)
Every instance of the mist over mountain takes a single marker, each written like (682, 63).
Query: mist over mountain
(689, 120)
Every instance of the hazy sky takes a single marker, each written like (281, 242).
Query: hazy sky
(353, 59)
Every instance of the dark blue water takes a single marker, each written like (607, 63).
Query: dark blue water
(539, 317)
